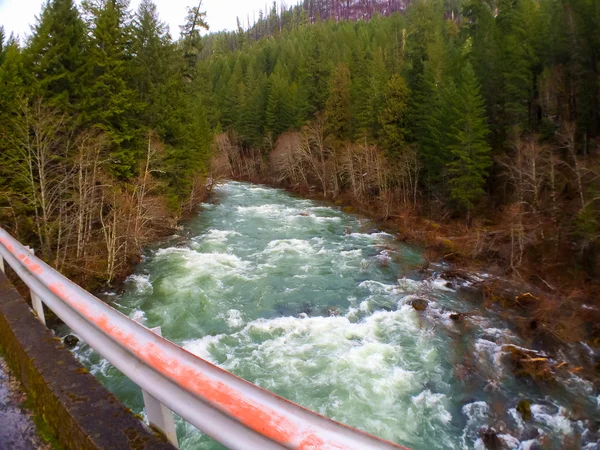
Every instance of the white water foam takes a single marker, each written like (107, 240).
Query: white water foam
(142, 284)
(558, 421)
(354, 362)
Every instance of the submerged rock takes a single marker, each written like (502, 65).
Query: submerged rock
(490, 439)
(529, 364)
(524, 408)
(333, 311)
(71, 341)
(420, 304)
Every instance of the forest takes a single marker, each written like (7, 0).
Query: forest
(470, 124)
(104, 141)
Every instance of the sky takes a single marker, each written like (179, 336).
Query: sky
(17, 15)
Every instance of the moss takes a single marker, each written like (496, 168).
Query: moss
(43, 429)
(82, 370)
(524, 408)
(433, 225)
(45, 432)
(419, 304)
(447, 244)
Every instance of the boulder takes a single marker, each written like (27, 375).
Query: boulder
(490, 439)
(71, 341)
(524, 409)
(420, 304)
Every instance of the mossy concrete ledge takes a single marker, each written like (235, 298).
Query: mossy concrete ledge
(81, 413)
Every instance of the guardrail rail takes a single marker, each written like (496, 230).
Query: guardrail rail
(233, 411)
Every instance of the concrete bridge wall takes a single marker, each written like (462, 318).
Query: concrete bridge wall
(80, 411)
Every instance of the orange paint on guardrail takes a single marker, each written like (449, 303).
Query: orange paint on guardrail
(266, 422)
(33, 267)
(263, 420)
(8, 246)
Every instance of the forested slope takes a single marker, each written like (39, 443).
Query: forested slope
(477, 120)
(103, 138)
(483, 114)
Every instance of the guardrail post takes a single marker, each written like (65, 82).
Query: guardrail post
(159, 415)
(36, 302)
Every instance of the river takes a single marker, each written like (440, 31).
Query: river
(314, 304)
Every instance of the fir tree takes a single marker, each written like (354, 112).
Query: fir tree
(190, 34)
(469, 148)
(393, 118)
(56, 54)
(109, 103)
(338, 106)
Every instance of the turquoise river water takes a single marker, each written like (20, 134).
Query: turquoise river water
(313, 304)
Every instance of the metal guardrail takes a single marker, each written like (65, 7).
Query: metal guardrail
(235, 412)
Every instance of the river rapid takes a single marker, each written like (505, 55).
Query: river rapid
(314, 304)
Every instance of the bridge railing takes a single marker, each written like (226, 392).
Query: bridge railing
(238, 414)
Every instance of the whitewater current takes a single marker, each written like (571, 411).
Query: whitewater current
(314, 304)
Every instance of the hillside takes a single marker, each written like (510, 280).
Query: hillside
(477, 130)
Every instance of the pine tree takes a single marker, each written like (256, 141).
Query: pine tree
(338, 106)
(516, 61)
(2, 44)
(431, 112)
(109, 103)
(469, 148)
(280, 113)
(12, 99)
(56, 55)
(190, 34)
(252, 108)
(374, 98)
(393, 118)
(12, 87)
(156, 73)
(229, 100)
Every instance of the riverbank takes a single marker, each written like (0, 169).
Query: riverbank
(325, 309)
(549, 317)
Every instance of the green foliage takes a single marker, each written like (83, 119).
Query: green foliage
(108, 102)
(113, 72)
(393, 118)
(587, 223)
(280, 114)
(455, 84)
(55, 55)
(469, 148)
(190, 33)
(338, 106)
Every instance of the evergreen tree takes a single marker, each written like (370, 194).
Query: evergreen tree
(431, 111)
(338, 106)
(156, 73)
(374, 97)
(190, 33)
(252, 108)
(393, 118)
(56, 55)
(469, 148)
(2, 44)
(280, 112)
(109, 103)
(12, 100)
